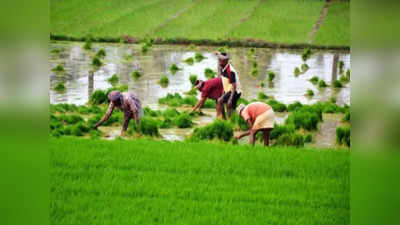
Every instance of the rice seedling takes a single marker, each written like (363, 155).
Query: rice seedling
(322, 84)
(297, 71)
(98, 97)
(271, 76)
(346, 117)
(148, 126)
(262, 96)
(303, 118)
(337, 84)
(164, 81)
(344, 79)
(174, 68)
(293, 139)
(121, 88)
(219, 129)
(294, 106)
(238, 122)
(341, 67)
(101, 53)
(135, 75)
(304, 67)
(209, 73)
(113, 80)
(277, 106)
(309, 93)
(191, 92)
(333, 99)
(209, 104)
(60, 87)
(183, 121)
(348, 73)
(189, 61)
(145, 48)
(193, 79)
(88, 44)
(198, 57)
(254, 71)
(308, 138)
(96, 62)
(262, 84)
(314, 80)
(58, 68)
(343, 135)
(55, 51)
(306, 54)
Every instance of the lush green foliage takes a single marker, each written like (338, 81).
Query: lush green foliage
(292, 107)
(58, 68)
(107, 182)
(135, 74)
(343, 135)
(114, 79)
(60, 87)
(277, 106)
(148, 126)
(219, 129)
(271, 76)
(193, 79)
(174, 68)
(293, 139)
(98, 97)
(189, 61)
(209, 73)
(184, 120)
(322, 84)
(164, 81)
(314, 80)
(198, 57)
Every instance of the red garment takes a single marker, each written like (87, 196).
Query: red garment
(212, 88)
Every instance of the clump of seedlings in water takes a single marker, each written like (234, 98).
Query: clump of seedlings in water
(333, 99)
(306, 54)
(193, 79)
(209, 73)
(113, 80)
(174, 68)
(189, 61)
(164, 81)
(88, 44)
(341, 67)
(309, 93)
(101, 53)
(304, 67)
(314, 80)
(343, 135)
(58, 68)
(147, 45)
(96, 62)
(262, 96)
(55, 51)
(60, 87)
(262, 84)
(308, 138)
(254, 71)
(322, 84)
(348, 73)
(344, 78)
(271, 76)
(297, 71)
(337, 84)
(192, 91)
(192, 46)
(198, 57)
(135, 75)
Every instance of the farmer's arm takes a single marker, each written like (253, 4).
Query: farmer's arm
(106, 116)
(248, 132)
(199, 104)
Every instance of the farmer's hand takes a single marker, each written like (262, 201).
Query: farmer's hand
(95, 126)
(237, 136)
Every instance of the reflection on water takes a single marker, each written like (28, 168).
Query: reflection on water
(122, 59)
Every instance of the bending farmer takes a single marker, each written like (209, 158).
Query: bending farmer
(210, 89)
(259, 117)
(128, 103)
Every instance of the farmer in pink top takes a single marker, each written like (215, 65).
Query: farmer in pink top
(259, 117)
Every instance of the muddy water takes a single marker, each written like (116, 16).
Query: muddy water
(81, 79)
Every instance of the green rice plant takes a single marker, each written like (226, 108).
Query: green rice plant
(293, 139)
(95, 134)
(262, 96)
(121, 88)
(254, 71)
(189, 61)
(135, 75)
(148, 126)
(70, 119)
(192, 46)
(79, 129)
(262, 84)
(277, 106)
(306, 54)
(209, 73)
(314, 80)
(184, 120)
(271, 76)
(58, 68)
(84, 110)
(304, 119)
(189, 100)
(243, 101)
(346, 117)
(174, 68)
(167, 123)
(304, 67)
(309, 93)
(333, 99)
(96, 62)
(219, 129)
(60, 87)
(297, 71)
(344, 79)
(170, 113)
(193, 79)
(348, 73)
(341, 67)
(193, 92)
(198, 57)
(238, 122)
(169, 98)
(88, 44)
(55, 51)
(294, 106)
(164, 81)
(101, 53)
(98, 97)
(145, 47)
(343, 135)
(337, 84)
(254, 64)
(322, 84)
(280, 130)
(209, 104)
(152, 113)
(63, 107)
(113, 80)
(308, 138)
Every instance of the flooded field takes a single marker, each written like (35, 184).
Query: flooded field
(81, 80)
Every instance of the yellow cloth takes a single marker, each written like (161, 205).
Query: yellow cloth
(228, 86)
(265, 120)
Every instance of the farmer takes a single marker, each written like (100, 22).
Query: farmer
(259, 117)
(128, 103)
(212, 89)
(230, 83)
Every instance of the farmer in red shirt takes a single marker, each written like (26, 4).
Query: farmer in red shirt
(210, 89)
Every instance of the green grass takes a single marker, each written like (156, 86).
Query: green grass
(208, 19)
(156, 182)
(281, 21)
(335, 30)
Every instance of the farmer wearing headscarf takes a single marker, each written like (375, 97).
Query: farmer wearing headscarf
(230, 82)
(128, 103)
(259, 117)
